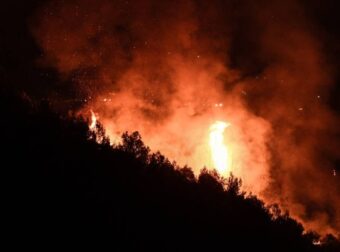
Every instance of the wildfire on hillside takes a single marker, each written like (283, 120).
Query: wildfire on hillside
(207, 86)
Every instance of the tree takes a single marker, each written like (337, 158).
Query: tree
(133, 144)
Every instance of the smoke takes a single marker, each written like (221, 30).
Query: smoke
(170, 69)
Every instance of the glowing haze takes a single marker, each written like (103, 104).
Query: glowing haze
(236, 85)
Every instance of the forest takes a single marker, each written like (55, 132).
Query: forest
(62, 187)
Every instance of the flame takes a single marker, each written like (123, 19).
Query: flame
(93, 120)
(220, 153)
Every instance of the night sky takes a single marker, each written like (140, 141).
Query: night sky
(19, 50)
(273, 65)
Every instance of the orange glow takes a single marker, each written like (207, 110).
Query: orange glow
(220, 153)
(171, 80)
(191, 135)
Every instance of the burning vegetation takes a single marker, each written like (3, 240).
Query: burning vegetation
(69, 189)
(234, 85)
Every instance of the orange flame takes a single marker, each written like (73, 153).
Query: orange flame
(220, 152)
(93, 121)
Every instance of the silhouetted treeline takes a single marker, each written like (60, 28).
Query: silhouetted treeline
(62, 188)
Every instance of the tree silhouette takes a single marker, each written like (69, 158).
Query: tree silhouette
(63, 185)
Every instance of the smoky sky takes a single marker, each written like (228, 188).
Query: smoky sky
(269, 54)
(273, 65)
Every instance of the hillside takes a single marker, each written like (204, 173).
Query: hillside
(64, 187)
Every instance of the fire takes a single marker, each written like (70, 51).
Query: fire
(93, 120)
(220, 152)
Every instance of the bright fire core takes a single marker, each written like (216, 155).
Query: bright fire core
(220, 153)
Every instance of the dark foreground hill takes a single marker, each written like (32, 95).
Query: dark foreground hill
(64, 189)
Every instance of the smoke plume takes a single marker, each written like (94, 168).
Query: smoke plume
(170, 69)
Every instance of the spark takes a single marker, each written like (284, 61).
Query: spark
(317, 243)
(218, 105)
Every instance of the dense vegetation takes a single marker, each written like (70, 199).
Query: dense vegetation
(62, 186)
